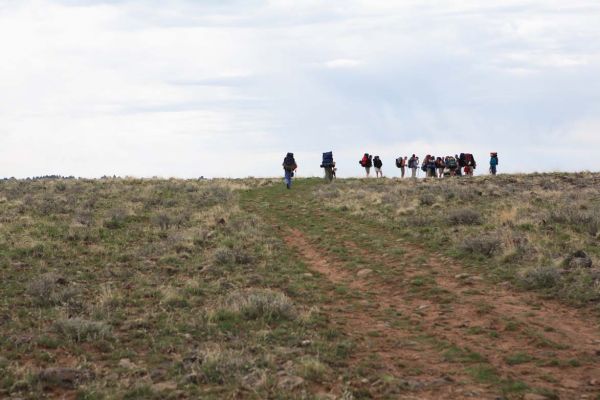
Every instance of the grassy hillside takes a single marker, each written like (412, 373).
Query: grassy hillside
(471, 288)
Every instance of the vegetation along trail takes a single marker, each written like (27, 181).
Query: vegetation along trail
(445, 322)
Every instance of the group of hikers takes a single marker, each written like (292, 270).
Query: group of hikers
(434, 167)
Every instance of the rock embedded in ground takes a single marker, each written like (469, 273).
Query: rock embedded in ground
(290, 382)
(579, 259)
(127, 364)
(364, 272)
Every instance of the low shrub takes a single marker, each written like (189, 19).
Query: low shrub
(81, 330)
(540, 278)
(465, 217)
(485, 245)
(260, 303)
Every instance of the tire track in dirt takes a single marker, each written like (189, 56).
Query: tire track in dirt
(546, 328)
(567, 335)
(438, 380)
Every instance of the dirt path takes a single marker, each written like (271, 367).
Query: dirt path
(391, 346)
(491, 321)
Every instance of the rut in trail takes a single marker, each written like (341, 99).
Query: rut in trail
(544, 333)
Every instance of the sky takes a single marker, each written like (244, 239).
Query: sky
(225, 88)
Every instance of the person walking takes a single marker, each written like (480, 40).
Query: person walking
(440, 166)
(413, 164)
(289, 166)
(378, 164)
(328, 165)
(366, 162)
(493, 163)
(403, 163)
(431, 167)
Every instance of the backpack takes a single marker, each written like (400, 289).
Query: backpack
(377, 162)
(364, 161)
(399, 162)
(327, 159)
(451, 162)
(289, 163)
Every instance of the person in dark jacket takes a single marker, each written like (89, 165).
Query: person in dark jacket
(413, 164)
(493, 163)
(378, 164)
(289, 166)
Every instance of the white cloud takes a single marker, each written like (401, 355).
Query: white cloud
(342, 63)
(223, 87)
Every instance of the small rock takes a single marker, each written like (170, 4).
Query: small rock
(364, 272)
(169, 385)
(534, 396)
(461, 276)
(305, 343)
(158, 375)
(307, 275)
(594, 382)
(571, 384)
(290, 382)
(64, 377)
(127, 364)
(423, 307)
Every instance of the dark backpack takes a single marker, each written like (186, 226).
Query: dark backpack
(451, 162)
(399, 162)
(289, 162)
(327, 159)
(377, 162)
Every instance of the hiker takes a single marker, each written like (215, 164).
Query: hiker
(366, 162)
(451, 165)
(401, 163)
(467, 160)
(440, 166)
(289, 166)
(378, 164)
(493, 163)
(431, 167)
(328, 165)
(413, 164)
(458, 171)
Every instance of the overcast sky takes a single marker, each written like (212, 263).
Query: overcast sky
(226, 87)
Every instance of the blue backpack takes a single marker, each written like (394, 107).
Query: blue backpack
(327, 159)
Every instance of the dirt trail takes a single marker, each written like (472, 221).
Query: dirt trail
(527, 325)
(391, 346)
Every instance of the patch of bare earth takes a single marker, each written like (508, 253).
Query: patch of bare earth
(393, 348)
(551, 334)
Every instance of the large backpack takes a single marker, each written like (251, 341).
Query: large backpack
(364, 161)
(327, 159)
(289, 162)
(470, 160)
(451, 162)
(399, 162)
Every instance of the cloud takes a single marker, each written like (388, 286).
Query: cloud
(219, 88)
(342, 63)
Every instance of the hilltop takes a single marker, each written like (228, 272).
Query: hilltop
(479, 287)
